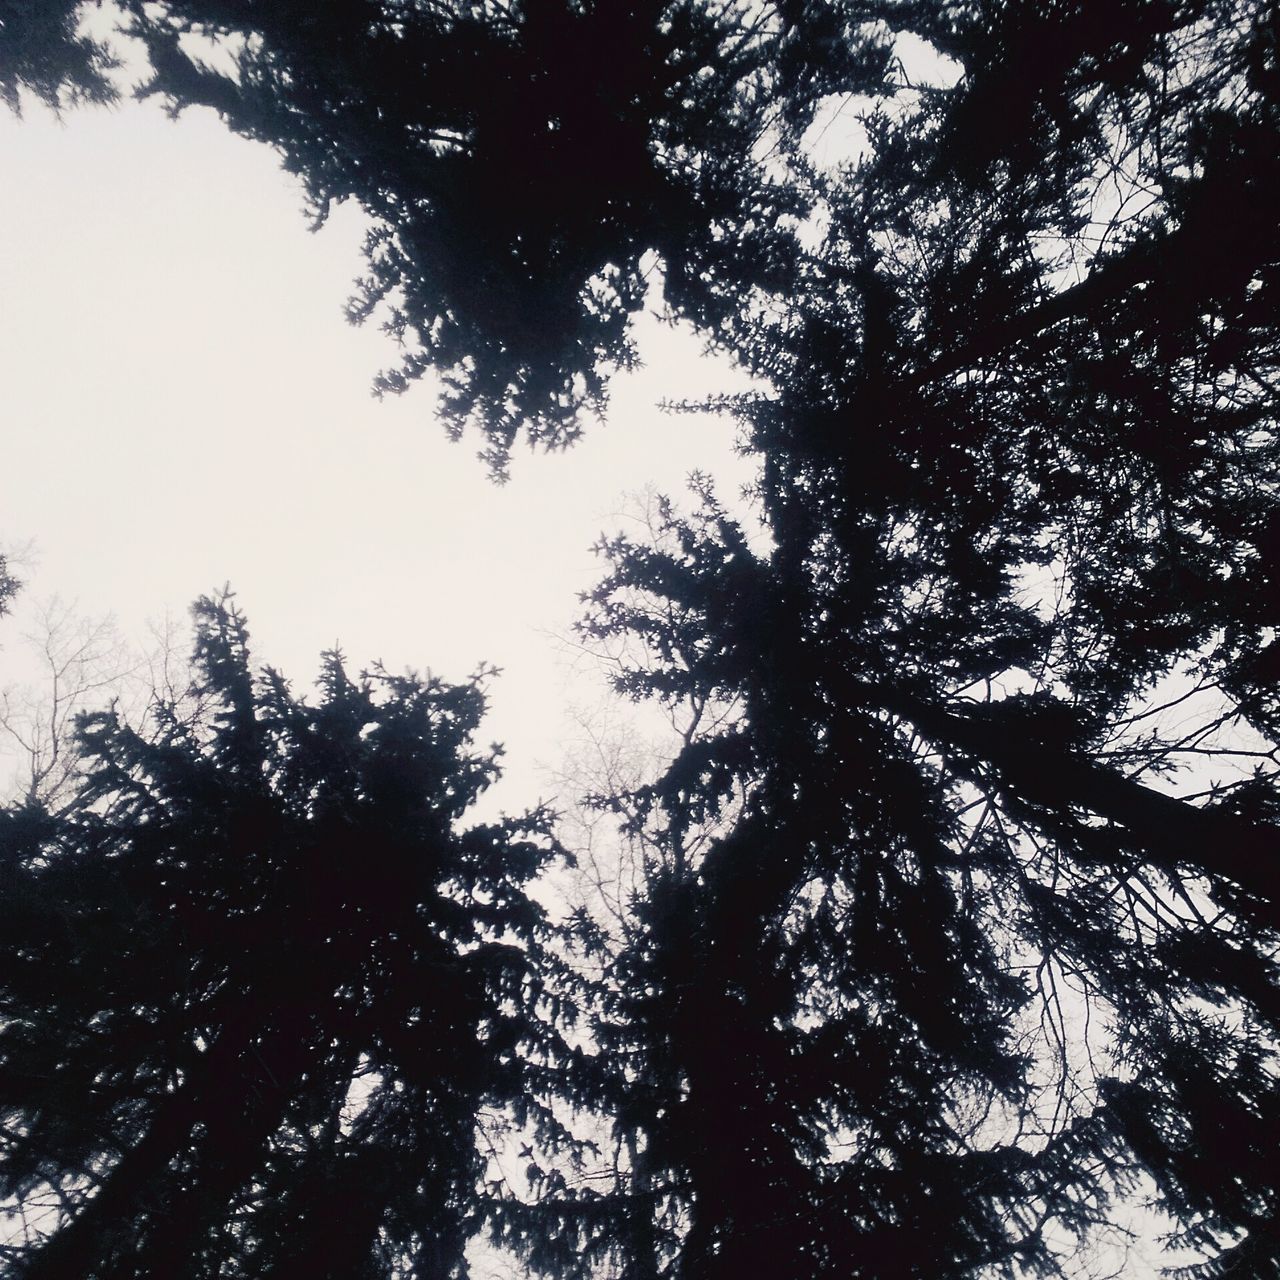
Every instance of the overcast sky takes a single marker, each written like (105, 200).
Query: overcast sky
(185, 405)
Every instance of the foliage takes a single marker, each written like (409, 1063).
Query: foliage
(961, 977)
(262, 986)
(43, 52)
(8, 585)
(963, 929)
(519, 161)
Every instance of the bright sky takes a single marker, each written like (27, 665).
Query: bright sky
(184, 405)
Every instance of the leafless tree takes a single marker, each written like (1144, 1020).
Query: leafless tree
(71, 663)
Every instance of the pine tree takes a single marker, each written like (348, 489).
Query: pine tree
(965, 972)
(8, 585)
(519, 161)
(979, 953)
(264, 985)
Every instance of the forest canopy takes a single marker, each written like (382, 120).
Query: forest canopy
(953, 921)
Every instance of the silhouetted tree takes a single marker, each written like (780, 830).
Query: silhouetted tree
(965, 968)
(854, 1036)
(43, 53)
(8, 585)
(965, 971)
(519, 160)
(263, 989)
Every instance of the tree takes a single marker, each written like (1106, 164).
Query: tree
(980, 952)
(950, 856)
(43, 53)
(262, 986)
(8, 585)
(856, 1030)
(78, 660)
(519, 161)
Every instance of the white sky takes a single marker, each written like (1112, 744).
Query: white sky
(184, 405)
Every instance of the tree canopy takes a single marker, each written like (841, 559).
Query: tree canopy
(262, 986)
(958, 920)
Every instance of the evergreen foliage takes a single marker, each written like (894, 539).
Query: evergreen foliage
(43, 53)
(263, 983)
(8, 585)
(971, 975)
(945, 948)
(519, 160)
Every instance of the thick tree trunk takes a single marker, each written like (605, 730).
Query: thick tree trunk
(240, 1115)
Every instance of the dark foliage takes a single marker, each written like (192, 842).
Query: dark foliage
(520, 160)
(261, 986)
(963, 973)
(8, 585)
(945, 948)
(42, 53)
